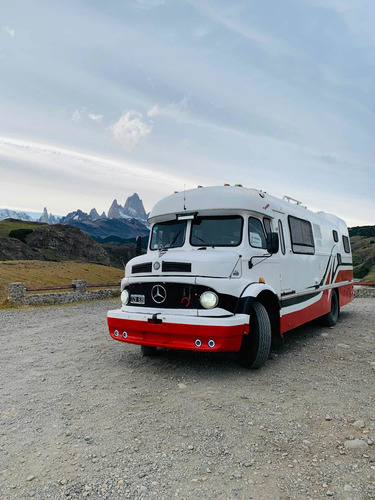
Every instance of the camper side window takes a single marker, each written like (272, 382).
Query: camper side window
(257, 237)
(345, 240)
(301, 235)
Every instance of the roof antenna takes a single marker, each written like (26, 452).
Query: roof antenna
(184, 198)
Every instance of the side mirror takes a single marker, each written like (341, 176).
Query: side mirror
(272, 243)
(138, 245)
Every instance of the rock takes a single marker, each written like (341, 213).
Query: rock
(182, 386)
(61, 242)
(347, 487)
(359, 423)
(30, 478)
(343, 346)
(355, 444)
(328, 417)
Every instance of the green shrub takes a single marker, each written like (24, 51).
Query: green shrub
(20, 234)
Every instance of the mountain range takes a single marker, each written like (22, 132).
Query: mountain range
(127, 221)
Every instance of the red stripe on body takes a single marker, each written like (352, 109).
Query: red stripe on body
(322, 306)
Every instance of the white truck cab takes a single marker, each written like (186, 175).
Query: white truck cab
(232, 269)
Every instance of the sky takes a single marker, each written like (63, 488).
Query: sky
(101, 99)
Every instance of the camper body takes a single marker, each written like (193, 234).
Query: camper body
(232, 269)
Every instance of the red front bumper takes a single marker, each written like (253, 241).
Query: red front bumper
(177, 332)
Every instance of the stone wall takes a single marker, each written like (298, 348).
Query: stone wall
(17, 294)
(364, 292)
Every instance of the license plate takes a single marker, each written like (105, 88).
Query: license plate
(137, 299)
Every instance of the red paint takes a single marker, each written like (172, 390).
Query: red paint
(227, 338)
(187, 301)
(178, 336)
(322, 306)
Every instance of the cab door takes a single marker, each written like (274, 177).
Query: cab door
(262, 266)
(285, 263)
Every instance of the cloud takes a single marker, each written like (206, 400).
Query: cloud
(95, 118)
(150, 4)
(221, 17)
(76, 116)
(175, 110)
(130, 129)
(10, 31)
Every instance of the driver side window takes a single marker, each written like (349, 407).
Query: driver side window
(257, 237)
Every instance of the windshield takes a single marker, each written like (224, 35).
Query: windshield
(217, 231)
(168, 235)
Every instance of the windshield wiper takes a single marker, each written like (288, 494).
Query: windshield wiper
(173, 241)
(204, 242)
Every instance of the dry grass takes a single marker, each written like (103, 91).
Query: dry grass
(41, 273)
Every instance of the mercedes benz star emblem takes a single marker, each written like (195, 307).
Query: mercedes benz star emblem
(158, 294)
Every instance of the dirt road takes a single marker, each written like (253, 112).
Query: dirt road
(82, 415)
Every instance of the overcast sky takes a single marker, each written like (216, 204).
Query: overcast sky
(101, 99)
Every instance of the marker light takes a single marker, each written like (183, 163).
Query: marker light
(209, 300)
(226, 184)
(262, 280)
(124, 297)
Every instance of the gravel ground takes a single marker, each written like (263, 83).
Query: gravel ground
(85, 416)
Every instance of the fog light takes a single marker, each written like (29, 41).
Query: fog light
(116, 333)
(124, 297)
(198, 343)
(211, 343)
(209, 300)
(124, 335)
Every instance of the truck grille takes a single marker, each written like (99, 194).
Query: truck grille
(142, 268)
(177, 296)
(177, 267)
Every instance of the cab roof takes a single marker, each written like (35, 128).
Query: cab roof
(211, 198)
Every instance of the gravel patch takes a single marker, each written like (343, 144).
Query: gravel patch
(84, 416)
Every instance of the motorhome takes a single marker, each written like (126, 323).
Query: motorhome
(230, 268)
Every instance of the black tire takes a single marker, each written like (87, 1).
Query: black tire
(148, 350)
(330, 319)
(256, 346)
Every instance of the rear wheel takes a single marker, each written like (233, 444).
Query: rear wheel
(256, 346)
(148, 350)
(330, 319)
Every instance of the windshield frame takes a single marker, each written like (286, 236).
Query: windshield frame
(217, 217)
(168, 223)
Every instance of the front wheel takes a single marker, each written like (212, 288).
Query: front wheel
(256, 346)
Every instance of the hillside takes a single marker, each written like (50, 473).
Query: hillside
(21, 240)
(36, 273)
(8, 225)
(363, 257)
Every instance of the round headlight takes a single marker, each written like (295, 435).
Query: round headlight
(209, 300)
(124, 297)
